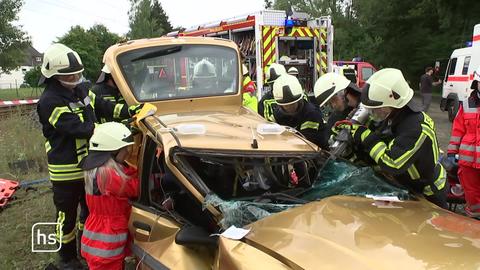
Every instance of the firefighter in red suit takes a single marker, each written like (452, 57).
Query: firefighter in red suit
(465, 141)
(109, 183)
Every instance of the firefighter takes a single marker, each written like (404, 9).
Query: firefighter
(295, 111)
(248, 91)
(404, 146)
(331, 89)
(66, 112)
(109, 183)
(465, 141)
(106, 88)
(204, 77)
(267, 103)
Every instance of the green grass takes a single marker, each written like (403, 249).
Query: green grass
(21, 138)
(21, 93)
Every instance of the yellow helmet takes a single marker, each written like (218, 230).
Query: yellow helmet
(107, 138)
(204, 69)
(328, 85)
(110, 136)
(287, 90)
(60, 60)
(293, 71)
(274, 71)
(386, 88)
(244, 70)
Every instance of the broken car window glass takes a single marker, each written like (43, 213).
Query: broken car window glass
(336, 178)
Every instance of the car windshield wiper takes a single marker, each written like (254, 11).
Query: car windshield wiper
(162, 52)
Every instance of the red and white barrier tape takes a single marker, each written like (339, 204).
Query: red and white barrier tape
(8, 103)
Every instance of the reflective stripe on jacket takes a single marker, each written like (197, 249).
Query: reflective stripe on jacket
(105, 234)
(308, 120)
(68, 119)
(409, 152)
(465, 136)
(250, 101)
(103, 90)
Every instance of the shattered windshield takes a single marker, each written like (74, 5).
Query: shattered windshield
(336, 178)
(180, 71)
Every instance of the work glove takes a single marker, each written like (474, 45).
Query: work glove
(451, 158)
(134, 109)
(339, 125)
(358, 132)
(347, 124)
(448, 162)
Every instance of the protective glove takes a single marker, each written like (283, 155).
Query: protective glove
(352, 127)
(134, 109)
(339, 125)
(451, 158)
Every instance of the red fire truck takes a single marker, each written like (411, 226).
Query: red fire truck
(270, 36)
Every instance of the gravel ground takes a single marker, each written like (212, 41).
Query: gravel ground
(443, 126)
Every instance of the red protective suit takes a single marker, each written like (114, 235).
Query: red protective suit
(465, 141)
(105, 235)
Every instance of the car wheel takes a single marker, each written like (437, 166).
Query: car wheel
(452, 108)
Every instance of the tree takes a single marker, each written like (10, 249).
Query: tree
(404, 34)
(90, 45)
(147, 20)
(268, 4)
(161, 16)
(13, 41)
(32, 76)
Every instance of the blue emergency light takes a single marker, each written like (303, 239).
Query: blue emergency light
(289, 22)
(468, 44)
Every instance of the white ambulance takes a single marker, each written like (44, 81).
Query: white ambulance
(459, 75)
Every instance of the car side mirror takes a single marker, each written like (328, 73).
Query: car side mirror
(195, 236)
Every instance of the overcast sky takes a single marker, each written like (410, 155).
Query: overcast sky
(45, 20)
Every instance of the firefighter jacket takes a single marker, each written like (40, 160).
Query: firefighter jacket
(109, 93)
(105, 234)
(266, 105)
(465, 137)
(248, 94)
(68, 119)
(406, 149)
(308, 121)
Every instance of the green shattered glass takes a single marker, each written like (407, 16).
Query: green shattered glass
(342, 178)
(336, 178)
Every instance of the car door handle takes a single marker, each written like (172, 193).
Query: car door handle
(142, 226)
(451, 85)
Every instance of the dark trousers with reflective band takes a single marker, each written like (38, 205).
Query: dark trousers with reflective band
(67, 196)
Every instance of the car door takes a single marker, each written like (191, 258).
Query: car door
(456, 76)
(154, 227)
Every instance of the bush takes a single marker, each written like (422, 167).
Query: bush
(32, 76)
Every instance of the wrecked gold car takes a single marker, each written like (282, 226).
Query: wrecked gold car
(206, 163)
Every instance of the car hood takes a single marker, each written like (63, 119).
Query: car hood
(345, 232)
(226, 130)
